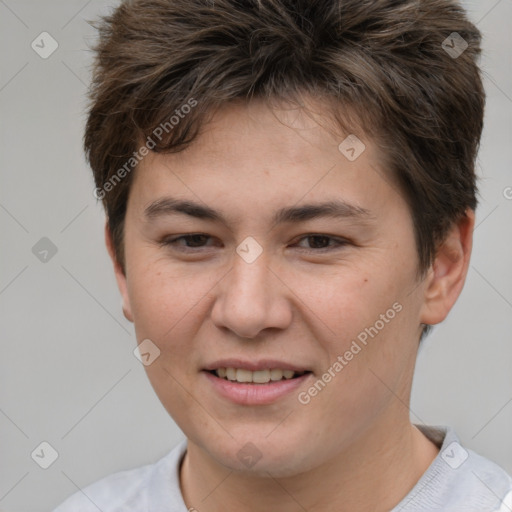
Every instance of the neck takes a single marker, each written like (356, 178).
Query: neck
(374, 474)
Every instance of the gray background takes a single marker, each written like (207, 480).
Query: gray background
(68, 375)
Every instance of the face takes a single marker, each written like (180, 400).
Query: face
(255, 273)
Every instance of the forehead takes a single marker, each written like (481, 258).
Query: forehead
(250, 154)
(288, 130)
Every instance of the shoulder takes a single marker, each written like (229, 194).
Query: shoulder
(458, 479)
(127, 491)
(487, 482)
(109, 493)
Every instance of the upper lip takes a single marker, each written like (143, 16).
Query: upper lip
(261, 364)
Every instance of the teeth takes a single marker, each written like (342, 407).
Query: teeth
(257, 377)
(261, 376)
(243, 375)
(276, 374)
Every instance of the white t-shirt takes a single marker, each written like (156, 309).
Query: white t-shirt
(458, 480)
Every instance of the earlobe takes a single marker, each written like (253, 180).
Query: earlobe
(448, 272)
(120, 275)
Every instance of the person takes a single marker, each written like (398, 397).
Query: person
(290, 197)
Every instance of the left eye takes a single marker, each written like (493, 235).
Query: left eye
(322, 240)
(317, 242)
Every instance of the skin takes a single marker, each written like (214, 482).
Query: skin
(352, 447)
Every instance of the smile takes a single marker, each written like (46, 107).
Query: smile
(259, 387)
(243, 375)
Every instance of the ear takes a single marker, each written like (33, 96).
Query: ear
(120, 276)
(448, 272)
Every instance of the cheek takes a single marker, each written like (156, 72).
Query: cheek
(169, 306)
(155, 304)
(167, 309)
(363, 319)
(348, 301)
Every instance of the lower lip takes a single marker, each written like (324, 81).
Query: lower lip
(255, 394)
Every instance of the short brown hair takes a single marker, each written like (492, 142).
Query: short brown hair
(387, 61)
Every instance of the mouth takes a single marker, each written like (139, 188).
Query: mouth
(255, 383)
(242, 375)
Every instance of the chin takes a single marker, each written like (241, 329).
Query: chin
(261, 456)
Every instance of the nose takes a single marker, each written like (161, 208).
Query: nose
(251, 298)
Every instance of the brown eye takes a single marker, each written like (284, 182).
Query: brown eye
(321, 243)
(192, 241)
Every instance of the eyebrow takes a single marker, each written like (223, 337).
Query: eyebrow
(294, 214)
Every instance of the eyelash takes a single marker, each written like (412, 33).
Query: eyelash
(172, 242)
